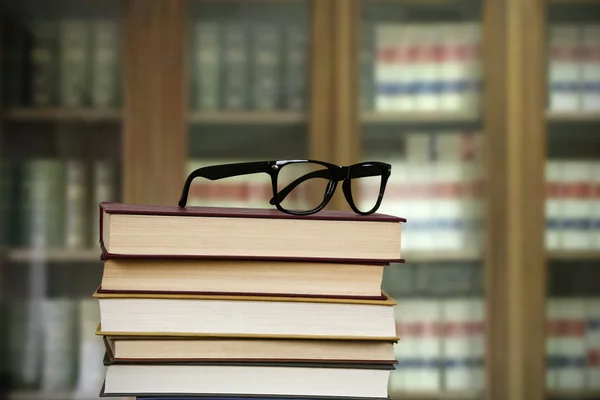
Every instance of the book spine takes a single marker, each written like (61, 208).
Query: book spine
(105, 64)
(418, 322)
(462, 344)
(75, 196)
(235, 67)
(427, 94)
(595, 216)
(74, 60)
(577, 205)
(554, 205)
(41, 204)
(564, 69)
(90, 371)
(367, 64)
(571, 344)
(385, 54)
(296, 67)
(206, 66)
(592, 306)
(552, 343)
(419, 183)
(472, 66)
(266, 52)
(591, 68)
(59, 344)
(15, 85)
(43, 60)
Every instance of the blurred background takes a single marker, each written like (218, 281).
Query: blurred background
(488, 111)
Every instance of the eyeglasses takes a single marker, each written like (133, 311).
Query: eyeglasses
(303, 187)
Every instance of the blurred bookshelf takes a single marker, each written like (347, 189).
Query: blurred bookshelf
(573, 196)
(84, 120)
(60, 140)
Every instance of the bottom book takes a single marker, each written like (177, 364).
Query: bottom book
(237, 380)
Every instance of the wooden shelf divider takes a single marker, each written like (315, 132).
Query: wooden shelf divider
(247, 117)
(61, 114)
(53, 255)
(412, 117)
(571, 255)
(573, 394)
(573, 116)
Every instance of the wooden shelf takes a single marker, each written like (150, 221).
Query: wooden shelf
(573, 116)
(412, 117)
(247, 117)
(573, 394)
(441, 256)
(53, 255)
(570, 255)
(574, 2)
(61, 114)
(449, 395)
(38, 395)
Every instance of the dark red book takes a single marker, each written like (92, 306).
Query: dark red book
(144, 231)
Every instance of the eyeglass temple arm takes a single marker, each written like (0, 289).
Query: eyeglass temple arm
(215, 172)
(323, 173)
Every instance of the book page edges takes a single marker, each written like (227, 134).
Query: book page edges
(183, 335)
(388, 301)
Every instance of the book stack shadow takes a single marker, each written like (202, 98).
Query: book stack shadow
(241, 303)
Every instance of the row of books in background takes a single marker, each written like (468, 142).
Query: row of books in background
(68, 62)
(257, 66)
(437, 179)
(52, 347)
(421, 67)
(572, 204)
(573, 343)
(574, 67)
(441, 348)
(53, 203)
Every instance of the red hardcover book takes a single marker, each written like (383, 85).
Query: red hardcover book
(148, 231)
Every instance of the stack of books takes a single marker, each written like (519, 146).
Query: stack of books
(240, 302)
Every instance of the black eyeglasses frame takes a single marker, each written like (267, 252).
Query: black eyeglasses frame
(334, 173)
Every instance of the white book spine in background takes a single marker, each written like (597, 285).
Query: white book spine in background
(462, 344)
(595, 205)
(451, 68)
(593, 343)
(429, 68)
(74, 60)
(554, 205)
(563, 182)
(591, 68)
(385, 68)
(564, 68)
(412, 66)
(419, 352)
(552, 343)
(76, 201)
(105, 63)
(472, 75)
(91, 369)
(572, 345)
(448, 210)
(397, 200)
(454, 149)
(403, 59)
(418, 181)
(419, 178)
(59, 344)
(577, 205)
